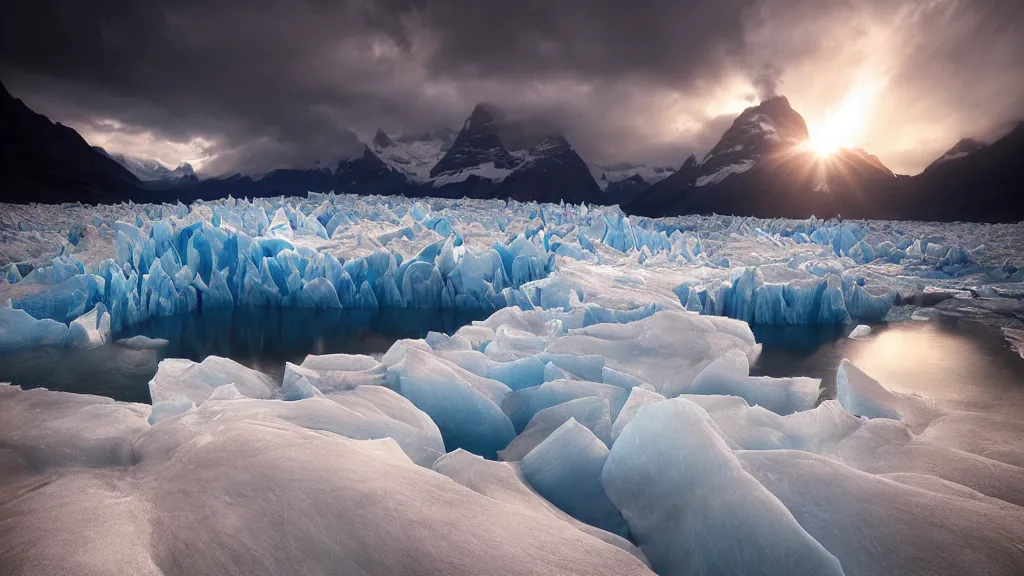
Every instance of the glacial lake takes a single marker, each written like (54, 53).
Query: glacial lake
(959, 362)
(262, 339)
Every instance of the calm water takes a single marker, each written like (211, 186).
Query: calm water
(956, 361)
(262, 339)
(959, 362)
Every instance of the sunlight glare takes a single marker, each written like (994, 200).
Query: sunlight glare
(845, 123)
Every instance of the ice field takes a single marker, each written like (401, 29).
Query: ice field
(603, 419)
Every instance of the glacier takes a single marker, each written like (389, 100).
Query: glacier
(602, 419)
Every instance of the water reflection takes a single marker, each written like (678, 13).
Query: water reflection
(957, 362)
(263, 339)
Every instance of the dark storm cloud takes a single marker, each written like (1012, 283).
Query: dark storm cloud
(266, 83)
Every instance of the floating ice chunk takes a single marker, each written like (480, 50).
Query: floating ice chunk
(464, 405)
(566, 469)
(522, 405)
(90, 330)
(755, 428)
(20, 330)
(862, 395)
(728, 375)
(295, 386)
(861, 331)
(328, 379)
(439, 341)
(592, 412)
(178, 379)
(902, 529)
(340, 362)
(48, 430)
(693, 509)
(141, 342)
(638, 398)
(1016, 339)
(503, 481)
(666, 350)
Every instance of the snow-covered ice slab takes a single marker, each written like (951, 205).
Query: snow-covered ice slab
(297, 498)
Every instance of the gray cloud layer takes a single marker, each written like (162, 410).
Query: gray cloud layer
(267, 83)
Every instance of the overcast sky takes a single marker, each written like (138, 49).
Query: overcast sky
(252, 85)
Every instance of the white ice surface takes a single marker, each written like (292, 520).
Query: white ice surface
(587, 308)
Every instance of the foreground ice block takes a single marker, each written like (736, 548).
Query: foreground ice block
(47, 430)
(592, 412)
(183, 382)
(504, 482)
(566, 469)
(901, 525)
(461, 403)
(191, 476)
(862, 395)
(638, 398)
(692, 508)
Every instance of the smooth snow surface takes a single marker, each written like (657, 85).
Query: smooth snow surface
(612, 377)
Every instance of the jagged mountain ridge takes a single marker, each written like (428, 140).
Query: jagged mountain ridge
(493, 157)
(46, 162)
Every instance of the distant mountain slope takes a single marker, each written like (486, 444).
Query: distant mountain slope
(984, 183)
(363, 174)
(621, 183)
(962, 148)
(413, 155)
(45, 162)
(148, 170)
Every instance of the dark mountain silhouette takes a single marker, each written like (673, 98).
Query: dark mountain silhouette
(984, 184)
(760, 167)
(45, 162)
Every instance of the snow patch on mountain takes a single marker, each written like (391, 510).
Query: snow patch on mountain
(413, 158)
(609, 174)
(724, 172)
(487, 171)
(149, 170)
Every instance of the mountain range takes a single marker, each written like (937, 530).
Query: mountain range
(761, 166)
